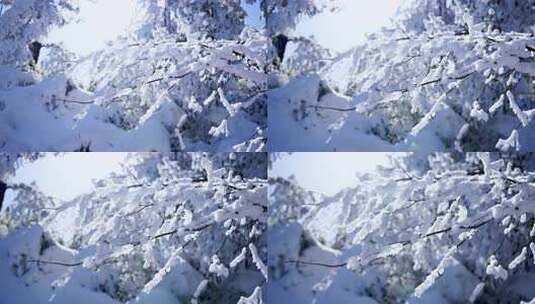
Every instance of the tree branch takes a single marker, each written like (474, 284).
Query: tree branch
(77, 101)
(333, 108)
(164, 234)
(176, 230)
(297, 262)
(56, 263)
(469, 227)
(168, 77)
(142, 207)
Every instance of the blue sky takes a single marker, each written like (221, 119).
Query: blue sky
(347, 27)
(327, 172)
(104, 20)
(68, 175)
(254, 16)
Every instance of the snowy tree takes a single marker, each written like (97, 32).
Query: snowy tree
(282, 15)
(191, 19)
(493, 14)
(24, 23)
(30, 206)
(9, 162)
(177, 227)
(303, 56)
(158, 88)
(451, 75)
(187, 75)
(427, 228)
(54, 60)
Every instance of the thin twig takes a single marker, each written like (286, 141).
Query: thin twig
(78, 102)
(176, 230)
(168, 77)
(56, 263)
(316, 264)
(333, 108)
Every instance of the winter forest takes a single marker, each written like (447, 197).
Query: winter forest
(162, 228)
(192, 75)
(434, 228)
(267, 151)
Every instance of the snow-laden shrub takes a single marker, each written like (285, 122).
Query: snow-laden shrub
(302, 269)
(187, 75)
(167, 96)
(187, 227)
(436, 227)
(159, 93)
(210, 217)
(453, 83)
(482, 86)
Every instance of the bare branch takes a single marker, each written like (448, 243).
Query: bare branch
(164, 234)
(56, 263)
(297, 262)
(176, 230)
(143, 207)
(168, 77)
(333, 108)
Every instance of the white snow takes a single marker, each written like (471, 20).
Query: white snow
(426, 228)
(477, 292)
(218, 268)
(522, 116)
(449, 282)
(519, 259)
(258, 261)
(143, 234)
(239, 258)
(496, 270)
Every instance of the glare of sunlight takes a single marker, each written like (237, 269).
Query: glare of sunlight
(68, 175)
(100, 21)
(327, 172)
(348, 26)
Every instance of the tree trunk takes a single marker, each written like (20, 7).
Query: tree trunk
(3, 188)
(280, 42)
(35, 49)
